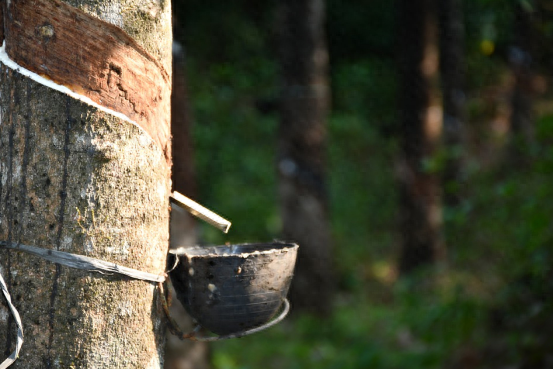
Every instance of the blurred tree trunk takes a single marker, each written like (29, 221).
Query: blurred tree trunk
(182, 354)
(183, 176)
(521, 60)
(451, 42)
(421, 126)
(77, 179)
(301, 152)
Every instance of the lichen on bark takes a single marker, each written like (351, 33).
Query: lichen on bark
(76, 179)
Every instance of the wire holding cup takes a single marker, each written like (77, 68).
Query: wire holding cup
(193, 336)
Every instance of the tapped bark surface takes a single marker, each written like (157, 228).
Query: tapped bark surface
(76, 179)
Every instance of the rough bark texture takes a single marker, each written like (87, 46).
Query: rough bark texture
(76, 179)
(421, 125)
(452, 67)
(301, 155)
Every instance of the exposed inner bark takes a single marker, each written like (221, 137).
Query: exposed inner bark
(93, 58)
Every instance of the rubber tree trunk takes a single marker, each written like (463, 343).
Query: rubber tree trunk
(421, 126)
(301, 153)
(76, 179)
(452, 67)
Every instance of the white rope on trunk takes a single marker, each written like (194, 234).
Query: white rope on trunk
(84, 262)
(72, 261)
(13, 357)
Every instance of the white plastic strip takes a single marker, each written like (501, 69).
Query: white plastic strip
(13, 357)
(84, 262)
(70, 260)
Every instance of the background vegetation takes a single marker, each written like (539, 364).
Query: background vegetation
(491, 306)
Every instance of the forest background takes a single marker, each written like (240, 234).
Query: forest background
(487, 303)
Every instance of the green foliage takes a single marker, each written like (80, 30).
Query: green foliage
(491, 296)
(357, 29)
(426, 325)
(234, 144)
(363, 195)
(417, 333)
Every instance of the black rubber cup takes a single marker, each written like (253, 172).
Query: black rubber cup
(228, 289)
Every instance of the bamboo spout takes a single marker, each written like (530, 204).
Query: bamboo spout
(201, 212)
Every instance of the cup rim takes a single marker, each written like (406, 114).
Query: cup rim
(241, 249)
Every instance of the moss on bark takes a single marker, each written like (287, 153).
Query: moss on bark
(76, 179)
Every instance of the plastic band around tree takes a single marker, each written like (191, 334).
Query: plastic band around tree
(83, 262)
(15, 354)
(72, 261)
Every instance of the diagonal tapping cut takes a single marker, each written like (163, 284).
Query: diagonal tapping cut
(92, 58)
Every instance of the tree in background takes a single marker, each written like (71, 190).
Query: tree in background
(420, 134)
(301, 151)
(502, 237)
(521, 57)
(452, 66)
(182, 354)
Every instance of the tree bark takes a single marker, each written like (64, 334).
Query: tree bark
(452, 67)
(421, 125)
(77, 179)
(301, 153)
